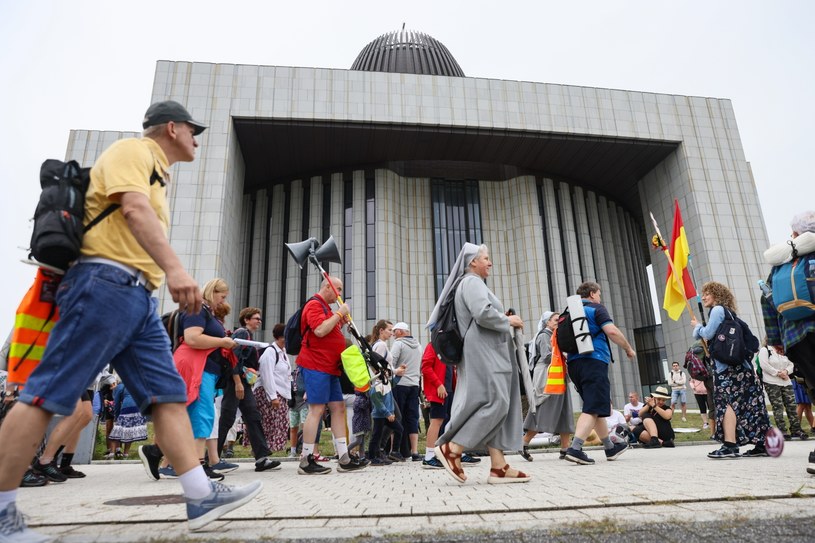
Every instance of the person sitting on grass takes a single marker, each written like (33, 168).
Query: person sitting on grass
(655, 430)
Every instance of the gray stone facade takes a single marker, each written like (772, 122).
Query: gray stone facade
(223, 227)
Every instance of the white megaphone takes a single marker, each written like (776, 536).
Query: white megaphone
(580, 325)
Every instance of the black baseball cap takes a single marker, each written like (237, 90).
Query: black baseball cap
(167, 111)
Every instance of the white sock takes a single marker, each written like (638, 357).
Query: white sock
(308, 448)
(341, 445)
(7, 497)
(429, 454)
(294, 450)
(195, 483)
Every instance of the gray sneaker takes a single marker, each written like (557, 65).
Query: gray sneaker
(14, 530)
(221, 501)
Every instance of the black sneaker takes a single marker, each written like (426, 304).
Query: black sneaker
(578, 457)
(212, 474)
(71, 473)
(756, 452)
(308, 466)
(353, 464)
(361, 461)
(416, 457)
(525, 453)
(652, 444)
(617, 451)
(811, 465)
(669, 443)
(151, 458)
(562, 454)
(724, 452)
(266, 464)
(50, 471)
(31, 479)
(396, 457)
(800, 435)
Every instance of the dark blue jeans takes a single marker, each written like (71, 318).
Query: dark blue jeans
(407, 398)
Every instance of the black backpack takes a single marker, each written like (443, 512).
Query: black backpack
(57, 236)
(293, 334)
(567, 339)
(172, 324)
(445, 337)
(734, 342)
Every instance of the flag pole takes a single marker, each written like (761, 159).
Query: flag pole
(698, 299)
(677, 278)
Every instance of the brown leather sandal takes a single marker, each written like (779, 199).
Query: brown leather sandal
(449, 460)
(499, 476)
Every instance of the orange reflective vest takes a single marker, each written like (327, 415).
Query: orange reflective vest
(556, 378)
(36, 316)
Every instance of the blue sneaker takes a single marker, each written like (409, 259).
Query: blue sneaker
(578, 457)
(224, 467)
(433, 463)
(14, 529)
(221, 501)
(168, 472)
(467, 459)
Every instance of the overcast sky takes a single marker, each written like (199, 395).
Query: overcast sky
(88, 64)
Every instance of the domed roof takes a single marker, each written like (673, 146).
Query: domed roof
(407, 52)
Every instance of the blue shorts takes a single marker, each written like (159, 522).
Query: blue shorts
(679, 396)
(105, 317)
(202, 410)
(321, 387)
(590, 378)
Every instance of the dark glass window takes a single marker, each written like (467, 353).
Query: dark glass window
(370, 245)
(456, 220)
(348, 234)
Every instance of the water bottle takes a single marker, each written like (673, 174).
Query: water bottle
(765, 289)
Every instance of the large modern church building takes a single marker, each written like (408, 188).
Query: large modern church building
(402, 158)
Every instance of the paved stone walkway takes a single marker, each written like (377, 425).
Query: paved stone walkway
(665, 485)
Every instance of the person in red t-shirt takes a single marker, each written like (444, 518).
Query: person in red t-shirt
(320, 364)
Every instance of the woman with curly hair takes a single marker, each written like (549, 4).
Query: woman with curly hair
(738, 396)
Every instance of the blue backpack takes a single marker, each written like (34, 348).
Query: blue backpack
(793, 286)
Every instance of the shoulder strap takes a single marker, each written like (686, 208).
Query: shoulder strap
(154, 178)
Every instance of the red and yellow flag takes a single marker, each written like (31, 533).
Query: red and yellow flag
(676, 290)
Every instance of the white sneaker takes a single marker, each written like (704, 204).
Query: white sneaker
(14, 530)
(684, 419)
(705, 426)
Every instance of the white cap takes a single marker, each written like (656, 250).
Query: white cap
(401, 326)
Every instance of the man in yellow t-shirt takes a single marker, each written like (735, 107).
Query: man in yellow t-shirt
(107, 315)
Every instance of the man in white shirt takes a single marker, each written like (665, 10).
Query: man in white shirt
(631, 410)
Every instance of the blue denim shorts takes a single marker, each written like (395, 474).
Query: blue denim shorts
(679, 396)
(104, 318)
(321, 387)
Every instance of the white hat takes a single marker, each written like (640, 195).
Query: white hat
(401, 326)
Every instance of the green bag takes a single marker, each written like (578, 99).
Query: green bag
(353, 362)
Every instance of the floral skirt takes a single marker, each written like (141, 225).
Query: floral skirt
(130, 426)
(740, 388)
(275, 422)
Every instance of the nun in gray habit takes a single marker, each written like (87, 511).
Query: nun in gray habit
(486, 410)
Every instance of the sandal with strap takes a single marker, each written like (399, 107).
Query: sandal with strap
(448, 459)
(499, 476)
